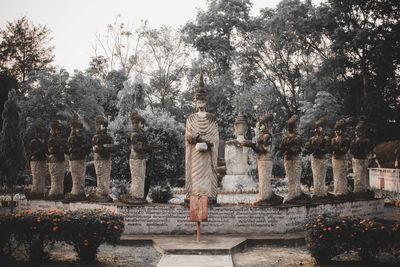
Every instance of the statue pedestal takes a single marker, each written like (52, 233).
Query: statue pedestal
(238, 182)
(226, 219)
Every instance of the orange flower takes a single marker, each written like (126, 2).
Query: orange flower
(314, 226)
(55, 228)
(329, 228)
(382, 227)
(116, 227)
(324, 229)
(321, 236)
(308, 245)
(307, 225)
(38, 220)
(337, 227)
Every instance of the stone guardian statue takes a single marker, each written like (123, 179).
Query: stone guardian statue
(202, 139)
(360, 147)
(319, 146)
(291, 147)
(137, 161)
(38, 160)
(102, 144)
(339, 146)
(78, 148)
(263, 148)
(57, 148)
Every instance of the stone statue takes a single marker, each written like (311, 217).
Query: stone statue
(387, 154)
(319, 146)
(57, 148)
(291, 147)
(38, 161)
(263, 148)
(238, 159)
(78, 148)
(137, 161)
(202, 141)
(102, 145)
(339, 146)
(360, 147)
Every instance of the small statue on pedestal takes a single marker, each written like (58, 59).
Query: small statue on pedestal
(38, 161)
(263, 148)
(78, 148)
(360, 147)
(238, 159)
(102, 147)
(319, 146)
(291, 147)
(57, 148)
(339, 145)
(137, 161)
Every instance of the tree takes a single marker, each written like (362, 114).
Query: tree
(12, 150)
(24, 47)
(7, 82)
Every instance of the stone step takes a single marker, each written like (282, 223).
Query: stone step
(195, 261)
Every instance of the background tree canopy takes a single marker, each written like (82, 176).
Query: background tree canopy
(338, 59)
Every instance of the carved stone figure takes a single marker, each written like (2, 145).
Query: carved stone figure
(202, 141)
(102, 145)
(238, 159)
(291, 147)
(339, 146)
(38, 161)
(137, 161)
(387, 154)
(319, 146)
(263, 147)
(78, 148)
(360, 147)
(57, 147)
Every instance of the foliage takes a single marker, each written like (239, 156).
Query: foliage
(84, 229)
(7, 82)
(24, 48)
(161, 194)
(12, 150)
(331, 235)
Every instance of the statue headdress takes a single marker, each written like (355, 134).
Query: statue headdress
(135, 117)
(340, 124)
(75, 123)
(266, 118)
(100, 120)
(201, 92)
(321, 122)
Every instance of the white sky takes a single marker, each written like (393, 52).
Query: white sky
(74, 23)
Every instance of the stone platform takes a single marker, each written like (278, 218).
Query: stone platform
(223, 219)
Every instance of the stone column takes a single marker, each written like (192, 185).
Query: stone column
(360, 168)
(319, 167)
(78, 172)
(103, 172)
(339, 167)
(57, 170)
(138, 173)
(264, 173)
(39, 170)
(293, 174)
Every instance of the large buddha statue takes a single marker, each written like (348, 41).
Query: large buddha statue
(38, 161)
(202, 141)
(57, 147)
(238, 159)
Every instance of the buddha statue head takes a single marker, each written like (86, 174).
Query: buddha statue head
(293, 124)
(320, 126)
(265, 123)
(200, 97)
(360, 130)
(101, 124)
(56, 128)
(339, 128)
(240, 126)
(76, 127)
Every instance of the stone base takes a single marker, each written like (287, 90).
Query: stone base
(302, 199)
(99, 198)
(364, 195)
(272, 201)
(73, 197)
(238, 182)
(33, 195)
(54, 197)
(224, 219)
(132, 200)
(328, 198)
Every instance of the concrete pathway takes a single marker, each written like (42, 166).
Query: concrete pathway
(195, 261)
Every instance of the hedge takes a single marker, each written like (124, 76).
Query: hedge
(85, 230)
(331, 235)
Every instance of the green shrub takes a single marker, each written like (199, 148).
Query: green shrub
(161, 194)
(85, 230)
(331, 235)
